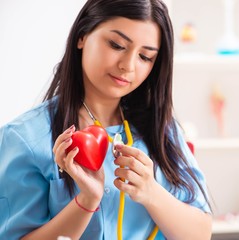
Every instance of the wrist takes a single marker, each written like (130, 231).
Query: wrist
(86, 203)
(84, 208)
(152, 196)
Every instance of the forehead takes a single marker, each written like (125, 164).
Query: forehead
(146, 32)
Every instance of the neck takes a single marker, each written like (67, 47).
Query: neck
(108, 114)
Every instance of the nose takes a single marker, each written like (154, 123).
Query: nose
(127, 63)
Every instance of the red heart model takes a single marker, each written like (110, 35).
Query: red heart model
(92, 142)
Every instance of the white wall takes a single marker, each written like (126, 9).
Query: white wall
(32, 41)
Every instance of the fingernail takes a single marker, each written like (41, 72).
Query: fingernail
(119, 146)
(75, 149)
(67, 140)
(69, 130)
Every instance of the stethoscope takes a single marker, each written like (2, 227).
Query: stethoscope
(118, 140)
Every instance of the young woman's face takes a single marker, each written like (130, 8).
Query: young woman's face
(118, 56)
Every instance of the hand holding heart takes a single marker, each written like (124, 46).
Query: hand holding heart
(70, 157)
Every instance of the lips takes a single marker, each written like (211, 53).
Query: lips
(119, 80)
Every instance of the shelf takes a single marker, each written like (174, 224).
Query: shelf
(222, 227)
(217, 143)
(197, 58)
(199, 61)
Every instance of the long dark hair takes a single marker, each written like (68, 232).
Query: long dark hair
(149, 105)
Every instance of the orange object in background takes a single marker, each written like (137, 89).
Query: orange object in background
(188, 33)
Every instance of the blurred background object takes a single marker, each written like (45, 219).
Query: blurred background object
(218, 107)
(188, 33)
(229, 42)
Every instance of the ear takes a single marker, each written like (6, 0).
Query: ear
(81, 42)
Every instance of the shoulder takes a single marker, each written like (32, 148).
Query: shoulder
(35, 122)
(31, 130)
(27, 139)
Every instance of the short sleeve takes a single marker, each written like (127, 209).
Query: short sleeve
(199, 201)
(23, 189)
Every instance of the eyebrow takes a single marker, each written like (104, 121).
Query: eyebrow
(129, 40)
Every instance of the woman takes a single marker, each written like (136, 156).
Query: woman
(117, 65)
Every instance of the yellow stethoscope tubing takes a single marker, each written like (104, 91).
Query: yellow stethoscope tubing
(122, 194)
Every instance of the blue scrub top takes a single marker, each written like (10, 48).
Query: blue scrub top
(31, 191)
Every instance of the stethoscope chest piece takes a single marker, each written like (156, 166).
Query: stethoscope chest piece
(116, 140)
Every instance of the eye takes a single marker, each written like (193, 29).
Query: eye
(146, 59)
(115, 45)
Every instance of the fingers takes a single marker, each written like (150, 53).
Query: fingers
(62, 143)
(131, 163)
(122, 186)
(133, 192)
(66, 134)
(69, 159)
(60, 153)
(135, 153)
(136, 177)
(129, 175)
(137, 171)
(135, 159)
